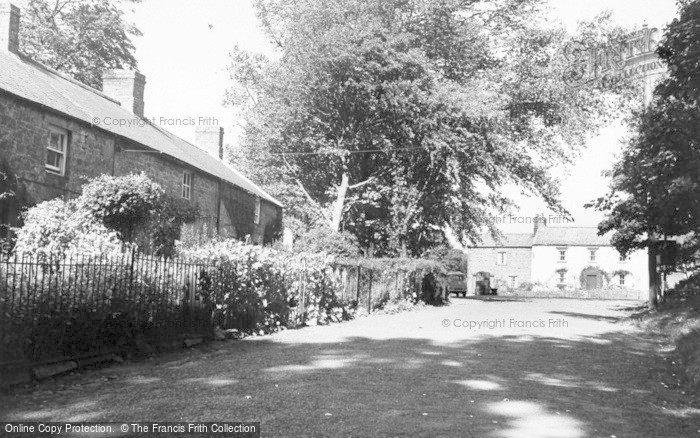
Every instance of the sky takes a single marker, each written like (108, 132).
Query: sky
(184, 53)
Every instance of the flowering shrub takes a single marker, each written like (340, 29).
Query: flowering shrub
(261, 288)
(121, 203)
(58, 227)
(255, 287)
(111, 215)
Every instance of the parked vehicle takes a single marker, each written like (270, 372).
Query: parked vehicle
(457, 283)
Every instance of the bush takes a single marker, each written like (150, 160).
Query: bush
(58, 227)
(260, 288)
(111, 211)
(317, 240)
(451, 259)
(687, 287)
(121, 203)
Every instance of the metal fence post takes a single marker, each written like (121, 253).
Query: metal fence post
(302, 285)
(369, 298)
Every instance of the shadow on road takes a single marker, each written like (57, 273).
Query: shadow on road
(496, 386)
(494, 298)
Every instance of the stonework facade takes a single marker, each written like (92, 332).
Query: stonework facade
(506, 266)
(556, 261)
(52, 142)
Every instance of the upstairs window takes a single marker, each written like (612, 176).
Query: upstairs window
(56, 150)
(256, 218)
(623, 258)
(562, 255)
(187, 185)
(501, 258)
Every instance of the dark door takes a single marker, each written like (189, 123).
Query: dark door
(591, 281)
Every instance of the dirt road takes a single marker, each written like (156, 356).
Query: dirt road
(508, 368)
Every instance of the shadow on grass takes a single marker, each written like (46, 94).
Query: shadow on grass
(588, 316)
(495, 386)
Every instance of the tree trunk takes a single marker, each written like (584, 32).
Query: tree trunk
(339, 204)
(653, 302)
(404, 248)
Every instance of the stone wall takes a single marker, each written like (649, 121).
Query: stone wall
(518, 264)
(169, 172)
(24, 135)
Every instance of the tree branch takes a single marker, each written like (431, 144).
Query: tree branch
(319, 210)
(360, 184)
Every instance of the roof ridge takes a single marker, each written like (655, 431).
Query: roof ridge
(29, 79)
(237, 172)
(64, 76)
(229, 166)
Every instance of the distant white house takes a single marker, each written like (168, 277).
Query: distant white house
(557, 261)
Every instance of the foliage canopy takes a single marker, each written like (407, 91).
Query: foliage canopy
(655, 188)
(396, 120)
(80, 38)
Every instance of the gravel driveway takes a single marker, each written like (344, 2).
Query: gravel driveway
(501, 368)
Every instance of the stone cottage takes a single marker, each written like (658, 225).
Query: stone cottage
(56, 133)
(559, 261)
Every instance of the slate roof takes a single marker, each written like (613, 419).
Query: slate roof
(37, 83)
(522, 240)
(570, 236)
(548, 236)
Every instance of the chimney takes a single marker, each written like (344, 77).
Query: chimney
(211, 139)
(126, 86)
(539, 219)
(9, 27)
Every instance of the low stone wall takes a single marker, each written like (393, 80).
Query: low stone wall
(20, 373)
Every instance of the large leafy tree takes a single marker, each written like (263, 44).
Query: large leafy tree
(80, 38)
(655, 190)
(397, 120)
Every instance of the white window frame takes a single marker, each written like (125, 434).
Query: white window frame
(63, 154)
(256, 217)
(562, 277)
(622, 279)
(512, 281)
(187, 179)
(623, 258)
(501, 258)
(593, 252)
(562, 254)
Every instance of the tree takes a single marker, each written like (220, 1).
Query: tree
(396, 120)
(452, 259)
(655, 190)
(80, 38)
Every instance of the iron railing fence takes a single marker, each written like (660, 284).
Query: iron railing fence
(57, 307)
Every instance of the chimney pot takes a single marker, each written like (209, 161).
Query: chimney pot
(211, 139)
(539, 219)
(9, 27)
(126, 86)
